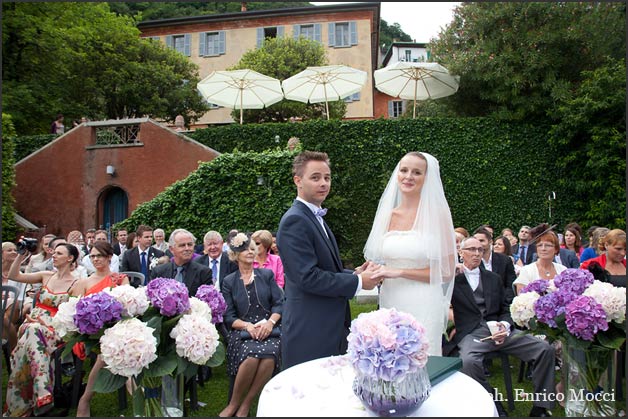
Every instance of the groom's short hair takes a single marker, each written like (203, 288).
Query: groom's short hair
(301, 159)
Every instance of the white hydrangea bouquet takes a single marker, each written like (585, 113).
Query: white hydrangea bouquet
(145, 333)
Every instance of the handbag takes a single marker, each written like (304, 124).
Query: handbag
(275, 333)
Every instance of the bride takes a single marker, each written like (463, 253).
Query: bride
(413, 241)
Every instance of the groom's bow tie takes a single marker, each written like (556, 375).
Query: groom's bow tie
(320, 212)
(475, 271)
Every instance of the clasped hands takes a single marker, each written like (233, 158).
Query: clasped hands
(260, 330)
(374, 274)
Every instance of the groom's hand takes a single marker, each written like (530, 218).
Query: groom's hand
(368, 280)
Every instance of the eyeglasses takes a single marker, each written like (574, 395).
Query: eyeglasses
(544, 245)
(474, 249)
(96, 256)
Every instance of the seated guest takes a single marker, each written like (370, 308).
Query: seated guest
(102, 278)
(30, 386)
(543, 267)
(101, 236)
(215, 258)
(193, 275)
(264, 259)
(594, 244)
(610, 266)
(9, 328)
(479, 305)
(572, 239)
(254, 305)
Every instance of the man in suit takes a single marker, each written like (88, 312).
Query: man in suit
(479, 306)
(316, 315)
(193, 275)
(140, 257)
(525, 248)
(496, 262)
(120, 246)
(214, 257)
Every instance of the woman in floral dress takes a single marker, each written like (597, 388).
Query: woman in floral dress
(30, 386)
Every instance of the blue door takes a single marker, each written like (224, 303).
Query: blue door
(115, 207)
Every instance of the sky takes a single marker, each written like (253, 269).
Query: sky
(420, 20)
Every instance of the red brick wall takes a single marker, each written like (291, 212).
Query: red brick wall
(59, 186)
(380, 101)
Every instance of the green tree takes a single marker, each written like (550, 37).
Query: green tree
(389, 32)
(591, 139)
(9, 227)
(80, 59)
(281, 58)
(517, 60)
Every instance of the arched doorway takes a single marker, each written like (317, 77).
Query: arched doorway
(115, 207)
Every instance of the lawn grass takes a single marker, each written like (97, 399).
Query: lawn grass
(214, 392)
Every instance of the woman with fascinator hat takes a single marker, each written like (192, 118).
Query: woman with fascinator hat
(413, 240)
(254, 308)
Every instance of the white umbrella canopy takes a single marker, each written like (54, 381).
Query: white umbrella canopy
(240, 89)
(417, 81)
(324, 84)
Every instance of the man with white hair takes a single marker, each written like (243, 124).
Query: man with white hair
(160, 240)
(193, 275)
(215, 258)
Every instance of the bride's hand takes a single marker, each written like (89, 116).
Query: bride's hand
(383, 272)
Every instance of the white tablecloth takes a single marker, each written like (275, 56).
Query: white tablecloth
(324, 387)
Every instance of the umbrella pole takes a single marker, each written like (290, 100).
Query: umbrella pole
(416, 85)
(241, 110)
(326, 105)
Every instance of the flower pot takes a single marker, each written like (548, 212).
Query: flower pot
(400, 397)
(589, 379)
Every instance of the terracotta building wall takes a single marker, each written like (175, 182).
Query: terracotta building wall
(61, 185)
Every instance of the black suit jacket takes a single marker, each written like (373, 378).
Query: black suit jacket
(116, 249)
(226, 266)
(131, 259)
(316, 314)
(467, 314)
(530, 251)
(502, 265)
(194, 275)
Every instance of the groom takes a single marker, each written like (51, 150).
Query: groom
(316, 316)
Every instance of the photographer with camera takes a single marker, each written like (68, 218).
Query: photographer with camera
(42, 256)
(31, 382)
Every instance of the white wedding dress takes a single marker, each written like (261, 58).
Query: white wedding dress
(408, 250)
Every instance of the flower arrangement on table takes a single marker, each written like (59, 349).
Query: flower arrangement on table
(589, 318)
(388, 350)
(145, 333)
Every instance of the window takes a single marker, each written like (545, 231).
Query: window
(396, 108)
(342, 34)
(180, 43)
(310, 31)
(212, 43)
(408, 55)
(270, 32)
(352, 98)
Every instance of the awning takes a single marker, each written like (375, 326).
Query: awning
(25, 223)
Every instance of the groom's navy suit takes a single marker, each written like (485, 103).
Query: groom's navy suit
(316, 314)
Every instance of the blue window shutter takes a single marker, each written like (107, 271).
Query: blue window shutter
(279, 31)
(404, 106)
(317, 32)
(201, 44)
(222, 47)
(390, 109)
(332, 34)
(353, 30)
(187, 43)
(260, 37)
(169, 42)
(296, 31)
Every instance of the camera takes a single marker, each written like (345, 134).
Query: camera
(27, 243)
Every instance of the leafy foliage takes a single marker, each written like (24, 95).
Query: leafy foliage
(389, 32)
(281, 58)
(9, 226)
(80, 59)
(516, 60)
(591, 138)
(480, 188)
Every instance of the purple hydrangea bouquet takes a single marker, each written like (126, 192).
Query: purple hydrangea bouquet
(388, 351)
(588, 317)
(146, 333)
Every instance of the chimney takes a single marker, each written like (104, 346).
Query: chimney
(243, 6)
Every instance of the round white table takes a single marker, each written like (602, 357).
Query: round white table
(324, 387)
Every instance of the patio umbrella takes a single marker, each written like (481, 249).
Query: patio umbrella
(417, 81)
(324, 84)
(240, 89)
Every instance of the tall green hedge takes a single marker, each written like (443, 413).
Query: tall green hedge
(493, 172)
(9, 226)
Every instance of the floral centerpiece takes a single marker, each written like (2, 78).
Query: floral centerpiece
(388, 351)
(589, 318)
(145, 334)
